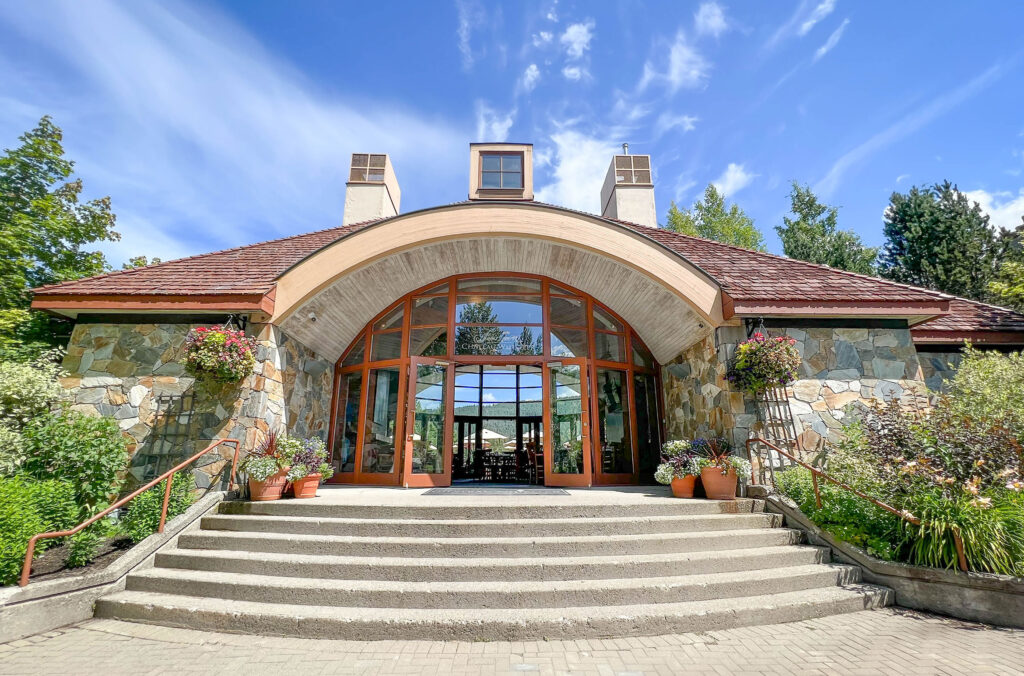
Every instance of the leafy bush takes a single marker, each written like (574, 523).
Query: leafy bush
(83, 547)
(29, 507)
(12, 451)
(989, 385)
(27, 390)
(90, 452)
(143, 516)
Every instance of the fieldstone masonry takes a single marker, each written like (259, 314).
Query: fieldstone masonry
(938, 367)
(842, 368)
(120, 371)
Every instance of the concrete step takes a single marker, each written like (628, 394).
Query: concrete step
(452, 510)
(406, 569)
(216, 614)
(497, 594)
(481, 528)
(490, 547)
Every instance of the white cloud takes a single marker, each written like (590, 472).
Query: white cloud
(733, 179)
(903, 127)
(901, 178)
(576, 39)
(710, 20)
(1005, 210)
(574, 73)
(820, 12)
(543, 39)
(201, 138)
(492, 126)
(529, 78)
(578, 168)
(667, 122)
(470, 16)
(686, 68)
(832, 41)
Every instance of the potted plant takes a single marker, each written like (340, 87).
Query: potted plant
(219, 354)
(764, 362)
(680, 466)
(266, 470)
(309, 467)
(723, 470)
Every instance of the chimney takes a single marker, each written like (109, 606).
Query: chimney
(372, 189)
(628, 192)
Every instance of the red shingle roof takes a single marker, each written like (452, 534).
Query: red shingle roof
(971, 317)
(746, 276)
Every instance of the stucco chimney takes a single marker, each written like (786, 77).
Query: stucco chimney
(628, 192)
(372, 189)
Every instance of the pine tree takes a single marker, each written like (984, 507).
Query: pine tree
(709, 218)
(812, 235)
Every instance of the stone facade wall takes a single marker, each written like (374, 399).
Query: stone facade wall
(841, 366)
(938, 367)
(131, 372)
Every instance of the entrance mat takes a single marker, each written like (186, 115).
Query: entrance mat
(496, 490)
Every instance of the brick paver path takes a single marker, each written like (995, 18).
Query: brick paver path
(891, 641)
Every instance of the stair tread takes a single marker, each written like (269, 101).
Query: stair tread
(502, 616)
(470, 562)
(384, 523)
(512, 587)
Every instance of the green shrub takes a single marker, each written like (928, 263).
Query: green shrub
(29, 507)
(143, 515)
(86, 450)
(12, 451)
(989, 384)
(991, 527)
(26, 391)
(83, 547)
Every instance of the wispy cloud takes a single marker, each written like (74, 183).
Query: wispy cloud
(1005, 210)
(733, 179)
(666, 122)
(542, 39)
(686, 68)
(806, 16)
(578, 164)
(471, 15)
(529, 78)
(821, 10)
(901, 178)
(202, 139)
(832, 41)
(492, 126)
(710, 20)
(573, 73)
(905, 126)
(576, 39)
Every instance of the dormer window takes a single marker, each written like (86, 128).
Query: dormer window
(501, 171)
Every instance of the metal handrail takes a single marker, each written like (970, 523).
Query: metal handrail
(815, 473)
(26, 567)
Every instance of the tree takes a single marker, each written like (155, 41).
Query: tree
(478, 339)
(139, 262)
(937, 238)
(45, 230)
(711, 220)
(812, 235)
(1008, 286)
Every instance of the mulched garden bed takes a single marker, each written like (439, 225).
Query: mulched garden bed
(50, 564)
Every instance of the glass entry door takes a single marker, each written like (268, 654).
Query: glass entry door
(567, 460)
(428, 430)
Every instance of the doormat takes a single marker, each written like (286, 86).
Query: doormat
(496, 490)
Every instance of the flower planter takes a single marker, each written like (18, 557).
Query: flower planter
(683, 488)
(718, 486)
(306, 486)
(271, 489)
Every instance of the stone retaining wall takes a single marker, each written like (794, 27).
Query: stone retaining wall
(124, 370)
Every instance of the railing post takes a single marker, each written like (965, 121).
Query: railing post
(961, 556)
(817, 493)
(167, 499)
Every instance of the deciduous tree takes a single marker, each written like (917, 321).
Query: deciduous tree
(812, 235)
(709, 218)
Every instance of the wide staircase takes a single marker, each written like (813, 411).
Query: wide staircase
(314, 569)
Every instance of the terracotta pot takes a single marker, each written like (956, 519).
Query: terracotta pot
(683, 488)
(719, 486)
(306, 486)
(271, 489)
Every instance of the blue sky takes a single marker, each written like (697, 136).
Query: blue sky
(215, 124)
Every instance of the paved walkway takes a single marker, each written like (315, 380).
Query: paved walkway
(891, 641)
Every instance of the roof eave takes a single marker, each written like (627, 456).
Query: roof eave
(72, 304)
(914, 311)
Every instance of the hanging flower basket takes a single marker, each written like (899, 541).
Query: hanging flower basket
(219, 354)
(764, 362)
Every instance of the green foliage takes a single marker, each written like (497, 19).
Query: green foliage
(83, 547)
(88, 451)
(12, 451)
(709, 218)
(139, 262)
(937, 238)
(989, 384)
(27, 508)
(260, 467)
(812, 235)
(478, 339)
(143, 516)
(27, 391)
(764, 362)
(45, 231)
(1008, 286)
